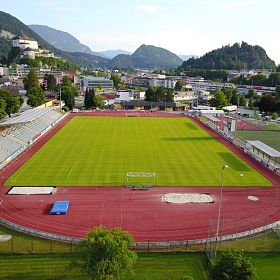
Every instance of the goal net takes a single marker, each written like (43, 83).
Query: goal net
(140, 178)
(131, 114)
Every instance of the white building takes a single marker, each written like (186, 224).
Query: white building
(95, 83)
(22, 41)
(124, 95)
(28, 52)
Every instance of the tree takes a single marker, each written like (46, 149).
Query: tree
(31, 80)
(88, 102)
(36, 97)
(251, 93)
(243, 101)
(219, 99)
(251, 103)
(179, 85)
(277, 90)
(13, 102)
(13, 55)
(66, 81)
(3, 60)
(159, 94)
(267, 103)
(68, 97)
(150, 94)
(233, 265)
(104, 254)
(3, 105)
(234, 99)
(50, 82)
(68, 86)
(98, 101)
(116, 80)
(274, 116)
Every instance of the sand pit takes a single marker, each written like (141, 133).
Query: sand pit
(31, 190)
(187, 198)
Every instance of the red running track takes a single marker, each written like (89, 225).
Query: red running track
(142, 213)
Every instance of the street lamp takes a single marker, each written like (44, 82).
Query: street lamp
(220, 206)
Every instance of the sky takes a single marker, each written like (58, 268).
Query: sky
(190, 27)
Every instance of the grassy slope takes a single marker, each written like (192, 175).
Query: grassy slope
(100, 151)
(149, 266)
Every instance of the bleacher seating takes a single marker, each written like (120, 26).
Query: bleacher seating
(24, 129)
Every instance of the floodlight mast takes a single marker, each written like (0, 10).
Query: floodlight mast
(220, 206)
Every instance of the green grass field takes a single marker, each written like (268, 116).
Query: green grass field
(157, 266)
(266, 264)
(99, 151)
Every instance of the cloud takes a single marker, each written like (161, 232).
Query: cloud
(147, 8)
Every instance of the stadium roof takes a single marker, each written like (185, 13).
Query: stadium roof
(265, 148)
(27, 116)
(212, 118)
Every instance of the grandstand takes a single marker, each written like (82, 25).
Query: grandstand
(19, 132)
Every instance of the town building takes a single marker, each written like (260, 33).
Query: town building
(89, 82)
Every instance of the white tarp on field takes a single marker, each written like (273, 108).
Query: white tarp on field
(187, 198)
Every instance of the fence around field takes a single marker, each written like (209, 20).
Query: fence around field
(169, 245)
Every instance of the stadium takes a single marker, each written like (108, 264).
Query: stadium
(158, 175)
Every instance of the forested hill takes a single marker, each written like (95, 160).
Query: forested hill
(235, 57)
(147, 56)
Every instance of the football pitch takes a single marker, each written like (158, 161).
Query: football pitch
(100, 151)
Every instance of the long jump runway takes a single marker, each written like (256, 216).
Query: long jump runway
(143, 213)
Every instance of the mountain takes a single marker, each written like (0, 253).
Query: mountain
(13, 25)
(235, 57)
(60, 39)
(144, 57)
(149, 57)
(111, 53)
(86, 60)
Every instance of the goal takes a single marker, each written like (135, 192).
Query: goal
(140, 178)
(131, 114)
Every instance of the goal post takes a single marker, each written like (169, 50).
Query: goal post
(140, 177)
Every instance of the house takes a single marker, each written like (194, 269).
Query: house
(109, 99)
